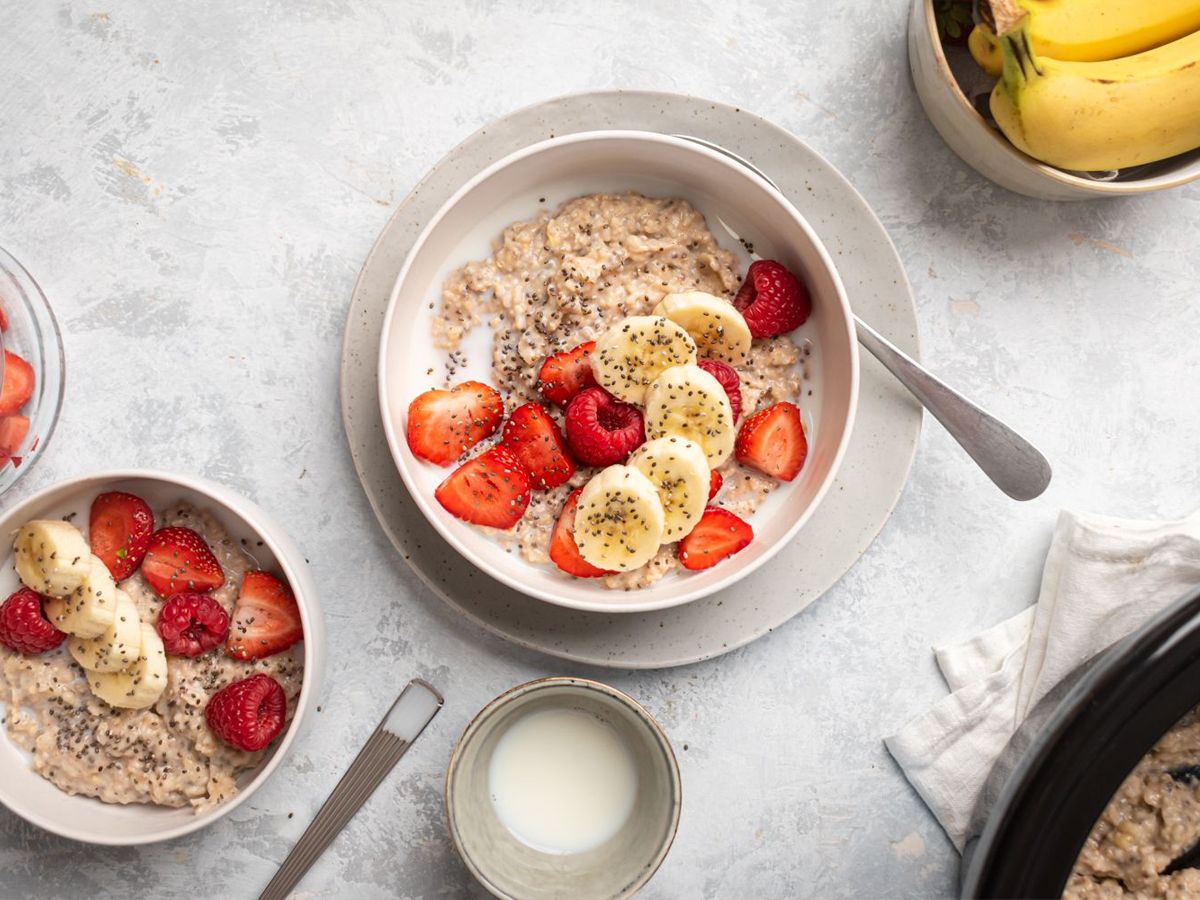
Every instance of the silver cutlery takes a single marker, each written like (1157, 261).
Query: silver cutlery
(416, 706)
(1012, 463)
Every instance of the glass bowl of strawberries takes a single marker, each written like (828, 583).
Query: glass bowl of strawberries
(32, 388)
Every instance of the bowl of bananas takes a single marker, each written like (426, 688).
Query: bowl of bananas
(1064, 99)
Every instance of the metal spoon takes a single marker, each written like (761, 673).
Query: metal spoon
(1010, 461)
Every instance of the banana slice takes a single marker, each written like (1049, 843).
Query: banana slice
(141, 684)
(52, 556)
(90, 609)
(714, 324)
(685, 401)
(632, 353)
(678, 469)
(118, 647)
(619, 519)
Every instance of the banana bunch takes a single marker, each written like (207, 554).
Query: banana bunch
(626, 512)
(1091, 30)
(122, 657)
(1069, 95)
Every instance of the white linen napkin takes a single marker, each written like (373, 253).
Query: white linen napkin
(1103, 578)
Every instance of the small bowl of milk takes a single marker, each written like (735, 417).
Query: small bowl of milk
(563, 787)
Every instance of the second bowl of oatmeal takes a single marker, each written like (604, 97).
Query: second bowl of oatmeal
(626, 240)
(110, 744)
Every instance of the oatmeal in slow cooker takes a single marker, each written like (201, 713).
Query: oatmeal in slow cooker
(1152, 819)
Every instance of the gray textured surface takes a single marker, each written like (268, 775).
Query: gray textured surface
(196, 188)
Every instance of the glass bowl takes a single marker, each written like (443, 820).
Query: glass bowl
(31, 333)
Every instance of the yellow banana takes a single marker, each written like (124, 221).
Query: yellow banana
(1093, 30)
(1096, 115)
(985, 49)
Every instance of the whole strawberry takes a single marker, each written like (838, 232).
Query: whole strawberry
(24, 627)
(248, 714)
(772, 300)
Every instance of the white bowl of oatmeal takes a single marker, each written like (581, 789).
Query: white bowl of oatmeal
(76, 766)
(558, 243)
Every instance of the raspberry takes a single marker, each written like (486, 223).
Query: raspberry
(24, 627)
(601, 429)
(248, 714)
(191, 624)
(725, 374)
(772, 300)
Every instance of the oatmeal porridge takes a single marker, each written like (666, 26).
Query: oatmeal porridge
(566, 281)
(166, 753)
(1152, 819)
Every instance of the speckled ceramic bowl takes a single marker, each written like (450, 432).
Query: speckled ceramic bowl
(513, 870)
(738, 206)
(79, 818)
(990, 153)
(32, 334)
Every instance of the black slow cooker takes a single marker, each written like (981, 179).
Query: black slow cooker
(1063, 766)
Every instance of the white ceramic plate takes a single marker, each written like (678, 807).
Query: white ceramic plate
(34, 798)
(873, 473)
(737, 204)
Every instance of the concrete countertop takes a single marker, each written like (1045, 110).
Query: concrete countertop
(196, 186)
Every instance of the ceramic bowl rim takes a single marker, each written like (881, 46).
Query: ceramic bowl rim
(310, 614)
(399, 451)
(553, 683)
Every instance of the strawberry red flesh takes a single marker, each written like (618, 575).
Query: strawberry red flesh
(266, 618)
(715, 480)
(718, 535)
(119, 530)
(445, 424)
(18, 384)
(564, 552)
(772, 300)
(491, 489)
(773, 442)
(535, 440)
(565, 374)
(177, 559)
(13, 429)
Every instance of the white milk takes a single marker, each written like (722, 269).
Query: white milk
(562, 781)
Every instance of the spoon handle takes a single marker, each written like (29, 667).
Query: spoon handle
(1014, 464)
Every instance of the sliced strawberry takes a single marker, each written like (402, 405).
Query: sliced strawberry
(772, 441)
(12, 434)
(18, 384)
(533, 437)
(564, 552)
(715, 480)
(717, 535)
(3, 319)
(119, 530)
(491, 489)
(177, 559)
(443, 425)
(565, 374)
(266, 618)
